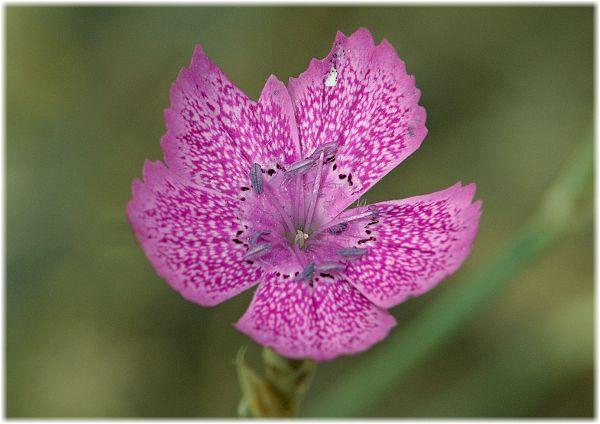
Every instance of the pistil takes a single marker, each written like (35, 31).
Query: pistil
(300, 238)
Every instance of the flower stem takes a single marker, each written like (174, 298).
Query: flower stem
(559, 213)
(279, 392)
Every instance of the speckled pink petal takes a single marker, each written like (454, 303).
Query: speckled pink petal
(417, 242)
(215, 132)
(360, 97)
(188, 235)
(319, 322)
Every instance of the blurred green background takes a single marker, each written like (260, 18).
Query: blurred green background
(91, 330)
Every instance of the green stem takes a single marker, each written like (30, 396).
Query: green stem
(391, 361)
(279, 392)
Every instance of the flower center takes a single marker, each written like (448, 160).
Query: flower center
(288, 217)
(300, 238)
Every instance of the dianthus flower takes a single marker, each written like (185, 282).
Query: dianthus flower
(258, 193)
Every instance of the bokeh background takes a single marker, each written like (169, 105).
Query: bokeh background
(91, 331)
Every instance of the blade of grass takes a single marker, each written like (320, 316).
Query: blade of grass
(357, 390)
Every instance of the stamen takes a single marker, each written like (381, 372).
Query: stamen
(308, 272)
(328, 149)
(258, 250)
(299, 200)
(331, 267)
(274, 200)
(315, 193)
(372, 212)
(301, 167)
(352, 252)
(256, 178)
(338, 229)
(258, 234)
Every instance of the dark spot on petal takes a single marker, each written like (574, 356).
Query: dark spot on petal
(238, 241)
(271, 172)
(239, 233)
(245, 188)
(334, 166)
(325, 275)
(243, 199)
(342, 176)
(368, 231)
(250, 262)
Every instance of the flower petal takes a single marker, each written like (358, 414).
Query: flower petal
(418, 242)
(371, 111)
(187, 234)
(275, 125)
(319, 322)
(215, 132)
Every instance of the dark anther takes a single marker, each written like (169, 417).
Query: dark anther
(331, 267)
(308, 272)
(352, 252)
(258, 250)
(338, 229)
(256, 178)
(257, 235)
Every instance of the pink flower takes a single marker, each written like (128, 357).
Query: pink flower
(256, 193)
